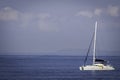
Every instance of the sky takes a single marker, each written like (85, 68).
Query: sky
(36, 26)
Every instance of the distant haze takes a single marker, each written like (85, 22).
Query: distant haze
(47, 27)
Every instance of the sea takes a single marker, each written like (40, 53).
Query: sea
(46, 67)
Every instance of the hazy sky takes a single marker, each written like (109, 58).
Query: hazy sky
(51, 25)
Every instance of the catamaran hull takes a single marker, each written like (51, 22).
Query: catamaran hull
(94, 67)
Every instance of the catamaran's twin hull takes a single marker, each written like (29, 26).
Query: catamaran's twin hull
(94, 67)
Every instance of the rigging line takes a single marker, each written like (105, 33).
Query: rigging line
(88, 50)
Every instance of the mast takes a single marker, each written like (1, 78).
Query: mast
(94, 44)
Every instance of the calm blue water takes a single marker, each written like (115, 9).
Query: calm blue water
(53, 68)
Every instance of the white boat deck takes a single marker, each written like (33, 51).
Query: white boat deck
(97, 67)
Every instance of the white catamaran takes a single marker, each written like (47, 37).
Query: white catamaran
(98, 64)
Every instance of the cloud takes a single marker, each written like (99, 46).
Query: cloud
(7, 14)
(90, 14)
(25, 19)
(47, 26)
(43, 15)
(97, 12)
(113, 11)
(43, 21)
(46, 23)
(85, 13)
(110, 10)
